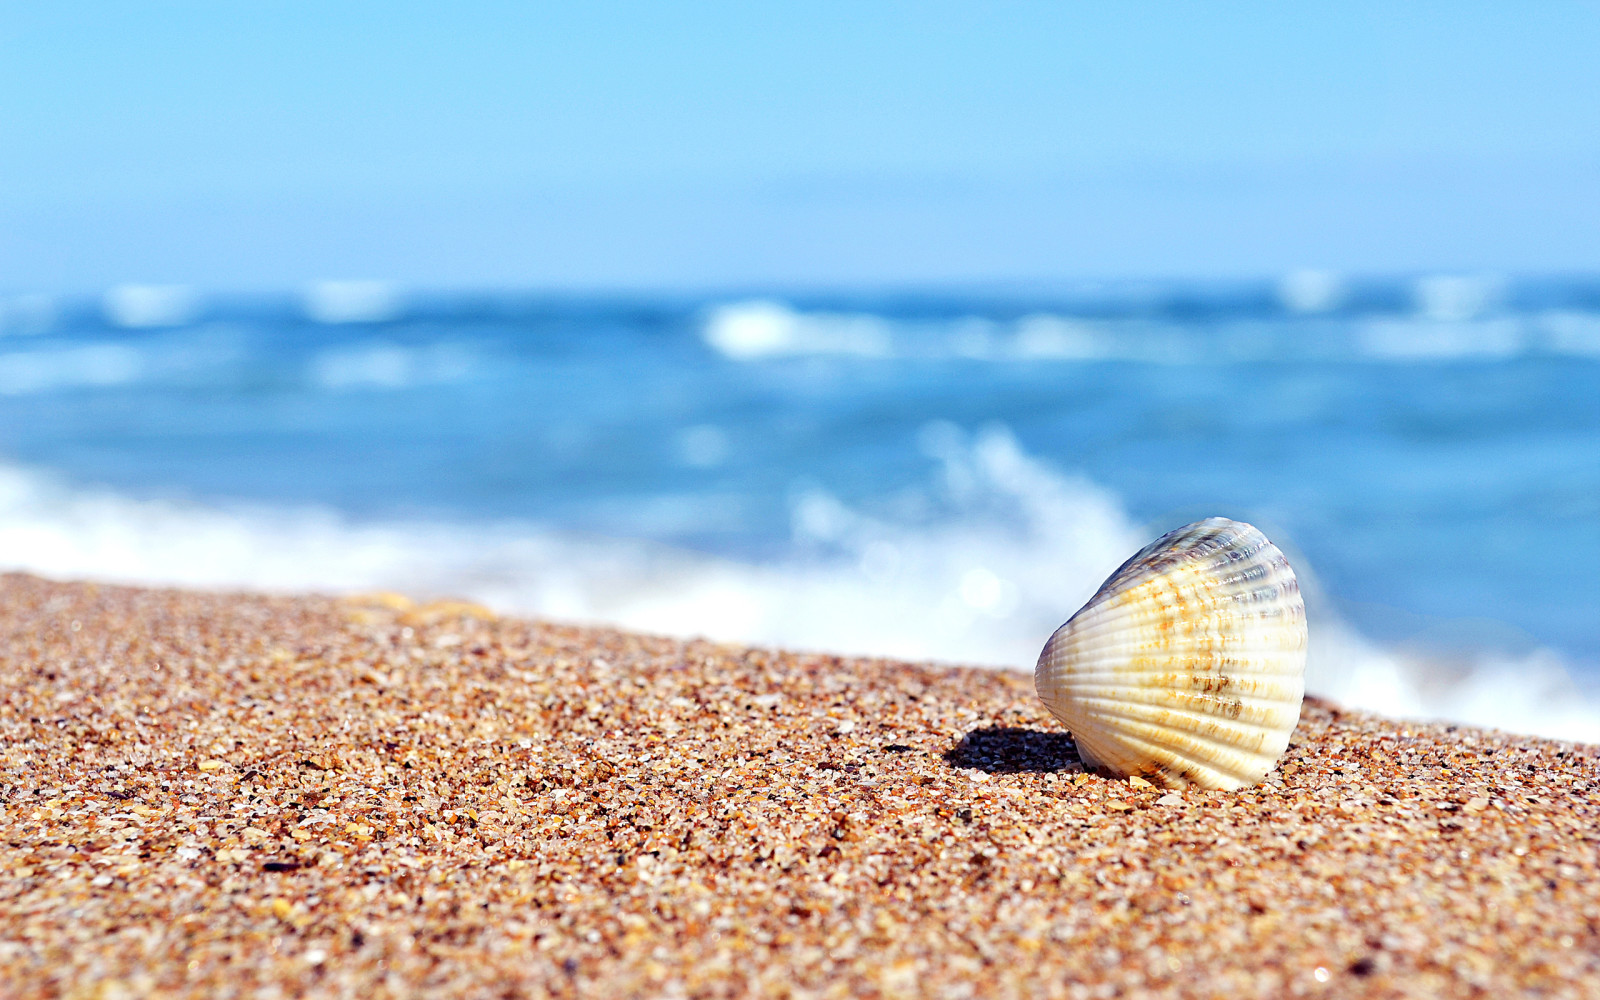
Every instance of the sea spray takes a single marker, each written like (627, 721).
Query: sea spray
(1007, 547)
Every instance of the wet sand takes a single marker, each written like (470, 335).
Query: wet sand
(213, 795)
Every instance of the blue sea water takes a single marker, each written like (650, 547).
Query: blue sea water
(942, 475)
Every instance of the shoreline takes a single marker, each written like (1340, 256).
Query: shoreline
(210, 794)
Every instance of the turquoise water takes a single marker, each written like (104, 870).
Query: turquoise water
(1428, 451)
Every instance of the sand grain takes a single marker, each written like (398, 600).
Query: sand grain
(243, 796)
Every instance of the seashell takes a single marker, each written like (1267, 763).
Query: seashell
(1187, 667)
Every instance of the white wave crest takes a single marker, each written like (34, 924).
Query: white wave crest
(336, 302)
(1528, 693)
(139, 306)
(1013, 549)
(1449, 326)
(86, 365)
(746, 330)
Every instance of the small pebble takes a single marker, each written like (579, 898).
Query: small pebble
(213, 795)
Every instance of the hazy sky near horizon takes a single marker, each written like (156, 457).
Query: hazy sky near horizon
(631, 145)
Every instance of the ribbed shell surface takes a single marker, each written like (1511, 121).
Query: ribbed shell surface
(1187, 667)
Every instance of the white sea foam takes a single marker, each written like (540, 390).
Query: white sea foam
(745, 330)
(353, 301)
(141, 306)
(1310, 290)
(1051, 337)
(1526, 693)
(1450, 324)
(49, 369)
(1450, 297)
(1018, 547)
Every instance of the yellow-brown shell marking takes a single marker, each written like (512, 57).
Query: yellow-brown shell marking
(1187, 667)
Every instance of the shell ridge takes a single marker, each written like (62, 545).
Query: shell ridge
(1194, 700)
(1277, 586)
(1146, 733)
(1187, 662)
(1233, 772)
(1101, 626)
(1232, 626)
(1207, 661)
(1163, 713)
(1254, 665)
(1216, 736)
(1263, 662)
(1207, 655)
(1214, 728)
(1238, 775)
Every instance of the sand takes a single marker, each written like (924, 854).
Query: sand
(247, 796)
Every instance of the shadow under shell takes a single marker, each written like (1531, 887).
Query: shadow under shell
(1010, 750)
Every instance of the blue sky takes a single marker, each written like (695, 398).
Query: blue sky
(608, 145)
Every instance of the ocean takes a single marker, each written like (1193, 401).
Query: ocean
(940, 475)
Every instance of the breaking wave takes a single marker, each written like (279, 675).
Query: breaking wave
(765, 329)
(1017, 547)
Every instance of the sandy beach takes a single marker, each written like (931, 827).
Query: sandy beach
(207, 795)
